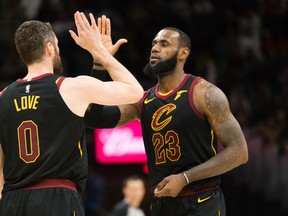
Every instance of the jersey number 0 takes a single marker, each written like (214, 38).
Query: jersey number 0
(28, 141)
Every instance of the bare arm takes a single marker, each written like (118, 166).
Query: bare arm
(212, 102)
(126, 90)
(99, 116)
(1, 170)
(81, 91)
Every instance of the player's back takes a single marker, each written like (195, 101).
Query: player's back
(41, 138)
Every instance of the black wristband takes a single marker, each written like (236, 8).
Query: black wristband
(97, 64)
(99, 74)
(99, 116)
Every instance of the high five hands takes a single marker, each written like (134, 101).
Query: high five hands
(88, 35)
(104, 25)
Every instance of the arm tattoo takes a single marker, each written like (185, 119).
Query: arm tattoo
(216, 103)
(218, 106)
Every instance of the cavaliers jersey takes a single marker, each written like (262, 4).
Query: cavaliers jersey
(177, 136)
(41, 138)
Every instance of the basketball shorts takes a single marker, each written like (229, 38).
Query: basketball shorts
(207, 203)
(45, 202)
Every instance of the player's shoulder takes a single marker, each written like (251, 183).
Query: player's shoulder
(205, 88)
(8, 86)
(208, 95)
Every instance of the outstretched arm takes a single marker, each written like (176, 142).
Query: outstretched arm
(97, 115)
(88, 37)
(213, 104)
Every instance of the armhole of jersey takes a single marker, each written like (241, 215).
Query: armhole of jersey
(59, 81)
(191, 101)
(142, 99)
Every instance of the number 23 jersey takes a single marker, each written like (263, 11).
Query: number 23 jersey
(176, 135)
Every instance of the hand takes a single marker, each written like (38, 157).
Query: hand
(170, 186)
(104, 25)
(88, 37)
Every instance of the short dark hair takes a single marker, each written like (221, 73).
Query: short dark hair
(131, 178)
(184, 40)
(30, 40)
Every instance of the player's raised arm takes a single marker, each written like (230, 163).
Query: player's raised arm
(89, 38)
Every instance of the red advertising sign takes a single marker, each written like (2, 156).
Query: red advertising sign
(120, 145)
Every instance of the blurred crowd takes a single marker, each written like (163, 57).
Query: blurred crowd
(239, 45)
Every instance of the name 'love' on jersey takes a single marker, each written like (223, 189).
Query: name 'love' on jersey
(176, 135)
(40, 136)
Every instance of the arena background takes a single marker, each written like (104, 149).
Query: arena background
(239, 45)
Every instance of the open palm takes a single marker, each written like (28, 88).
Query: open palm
(104, 26)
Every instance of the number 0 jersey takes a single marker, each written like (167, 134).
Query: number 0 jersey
(41, 138)
(177, 136)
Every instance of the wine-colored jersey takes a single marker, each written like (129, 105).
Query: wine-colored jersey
(40, 136)
(177, 136)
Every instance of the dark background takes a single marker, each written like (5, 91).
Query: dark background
(239, 45)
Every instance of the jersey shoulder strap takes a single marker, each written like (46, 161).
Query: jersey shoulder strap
(59, 81)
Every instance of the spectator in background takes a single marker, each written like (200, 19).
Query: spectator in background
(133, 191)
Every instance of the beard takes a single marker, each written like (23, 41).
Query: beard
(161, 68)
(57, 64)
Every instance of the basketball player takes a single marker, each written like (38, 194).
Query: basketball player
(42, 151)
(183, 119)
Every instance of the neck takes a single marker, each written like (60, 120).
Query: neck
(133, 203)
(171, 81)
(38, 69)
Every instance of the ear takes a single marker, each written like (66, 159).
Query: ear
(50, 49)
(183, 53)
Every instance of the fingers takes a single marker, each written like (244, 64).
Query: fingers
(117, 45)
(161, 184)
(120, 42)
(81, 22)
(108, 27)
(78, 27)
(158, 190)
(74, 36)
(99, 24)
(93, 21)
(104, 25)
(84, 21)
(77, 23)
(86, 34)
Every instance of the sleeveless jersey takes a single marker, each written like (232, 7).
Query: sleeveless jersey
(40, 136)
(176, 135)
